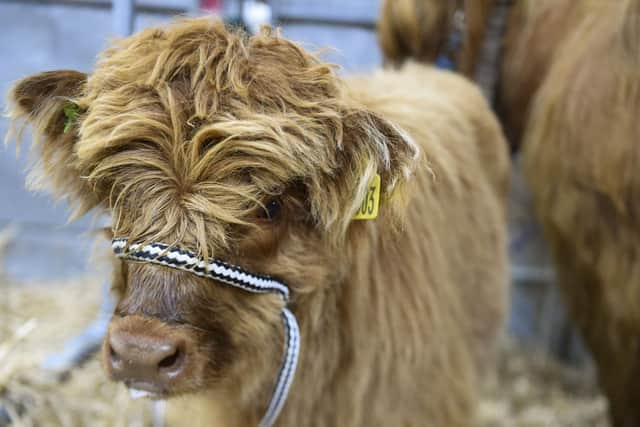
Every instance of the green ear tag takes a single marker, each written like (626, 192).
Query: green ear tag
(71, 111)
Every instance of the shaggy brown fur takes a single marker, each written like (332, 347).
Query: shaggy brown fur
(581, 158)
(419, 29)
(187, 132)
(535, 32)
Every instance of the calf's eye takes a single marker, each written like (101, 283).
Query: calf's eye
(271, 210)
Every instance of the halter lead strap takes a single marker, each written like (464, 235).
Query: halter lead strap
(181, 259)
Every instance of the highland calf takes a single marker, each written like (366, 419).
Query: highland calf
(571, 90)
(252, 151)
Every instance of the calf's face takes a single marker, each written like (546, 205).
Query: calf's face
(241, 149)
(174, 332)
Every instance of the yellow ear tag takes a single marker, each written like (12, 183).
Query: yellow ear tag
(369, 207)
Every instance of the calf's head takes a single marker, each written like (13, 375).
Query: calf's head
(243, 149)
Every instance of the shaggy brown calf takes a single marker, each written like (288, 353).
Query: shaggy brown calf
(423, 29)
(252, 151)
(580, 64)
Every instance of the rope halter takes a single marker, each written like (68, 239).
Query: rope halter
(181, 259)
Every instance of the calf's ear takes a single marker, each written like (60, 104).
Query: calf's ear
(48, 103)
(371, 145)
(34, 93)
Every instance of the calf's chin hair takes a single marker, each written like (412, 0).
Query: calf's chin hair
(184, 134)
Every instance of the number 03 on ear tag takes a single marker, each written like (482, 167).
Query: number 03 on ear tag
(369, 207)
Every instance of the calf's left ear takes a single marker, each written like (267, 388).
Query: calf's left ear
(48, 103)
(373, 141)
(371, 145)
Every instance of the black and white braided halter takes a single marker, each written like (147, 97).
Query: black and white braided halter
(160, 253)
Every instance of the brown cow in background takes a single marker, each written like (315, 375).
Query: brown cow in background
(534, 33)
(251, 150)
(581, 153)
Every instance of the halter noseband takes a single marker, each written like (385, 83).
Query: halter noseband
(181, 259)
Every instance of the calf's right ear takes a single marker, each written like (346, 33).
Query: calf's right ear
(49, 103)
(35, 93)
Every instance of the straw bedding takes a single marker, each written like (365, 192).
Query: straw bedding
(34, 322)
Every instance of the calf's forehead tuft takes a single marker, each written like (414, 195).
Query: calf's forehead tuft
(217, 68)
(174, 116)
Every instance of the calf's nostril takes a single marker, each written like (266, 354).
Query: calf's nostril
(170, 361)
(152, 362)
(113, 355)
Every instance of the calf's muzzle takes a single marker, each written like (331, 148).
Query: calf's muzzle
(151, 358)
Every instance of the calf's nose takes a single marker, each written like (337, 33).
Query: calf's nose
(145, 361)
